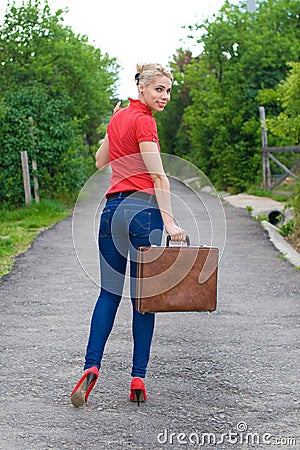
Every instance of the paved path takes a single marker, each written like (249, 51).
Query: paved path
(209, 373)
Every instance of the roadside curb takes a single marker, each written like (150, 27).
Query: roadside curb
(289, 253)
(261, 206)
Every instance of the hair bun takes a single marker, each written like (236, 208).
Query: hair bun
(139, 68)
(145, 73)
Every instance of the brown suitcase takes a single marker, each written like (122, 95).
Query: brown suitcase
(176, 278)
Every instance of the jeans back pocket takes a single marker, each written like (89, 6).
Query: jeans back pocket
(138, 222)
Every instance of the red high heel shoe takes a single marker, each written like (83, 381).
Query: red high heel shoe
(81, 392)
(137, 391)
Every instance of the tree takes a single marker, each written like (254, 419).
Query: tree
(63, 83)
(285, 130)
(241, 53)
(286, 126)
(173, 138)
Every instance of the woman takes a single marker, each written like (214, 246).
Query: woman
(138, 207)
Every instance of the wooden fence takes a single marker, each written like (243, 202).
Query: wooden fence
(267, 154)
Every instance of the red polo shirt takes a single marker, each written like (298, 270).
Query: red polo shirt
(126, 129)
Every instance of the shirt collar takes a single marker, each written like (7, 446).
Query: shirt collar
(141, 106)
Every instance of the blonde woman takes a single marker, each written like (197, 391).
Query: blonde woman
(137, 209)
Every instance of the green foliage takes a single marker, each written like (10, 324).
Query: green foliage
(287, 228)
(286, 126)
(295, 237)
(241, 54)
(265, 193)
(65, 85)
(285, 130)
(282, 256)
(51, 135)
(261, 218)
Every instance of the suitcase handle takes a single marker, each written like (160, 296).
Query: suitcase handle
(187, 238)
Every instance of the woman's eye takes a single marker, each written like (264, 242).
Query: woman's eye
(159, 89)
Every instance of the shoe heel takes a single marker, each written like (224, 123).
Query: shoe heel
(137, 391)
(90, 383)
(138, 396)
(90, 378)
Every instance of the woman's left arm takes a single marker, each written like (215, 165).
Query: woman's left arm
(102, 154)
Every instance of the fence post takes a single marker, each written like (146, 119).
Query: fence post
(34, 165)
(26, 177)
(265, 157)
(35, 182)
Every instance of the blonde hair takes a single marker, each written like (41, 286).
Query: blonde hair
(145, 73)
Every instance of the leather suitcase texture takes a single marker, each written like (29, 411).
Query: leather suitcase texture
(176, 278)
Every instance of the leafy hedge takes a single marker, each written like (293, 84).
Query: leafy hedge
(56, 92)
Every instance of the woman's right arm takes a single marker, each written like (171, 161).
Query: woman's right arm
(153, 163)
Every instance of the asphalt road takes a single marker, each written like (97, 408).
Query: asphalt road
(228, 379)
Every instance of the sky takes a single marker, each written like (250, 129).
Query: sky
(134, 31)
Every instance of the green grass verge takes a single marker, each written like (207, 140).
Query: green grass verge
(19, 227)
(280, 197)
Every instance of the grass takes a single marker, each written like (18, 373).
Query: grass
(19, 227)
(278, 196)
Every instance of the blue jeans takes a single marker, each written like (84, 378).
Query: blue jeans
(125, 224)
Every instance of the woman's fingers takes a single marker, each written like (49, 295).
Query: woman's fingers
(176, 233)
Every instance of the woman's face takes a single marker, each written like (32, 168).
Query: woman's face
(157, 94)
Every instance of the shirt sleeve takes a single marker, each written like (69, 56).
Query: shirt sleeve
(146, 130)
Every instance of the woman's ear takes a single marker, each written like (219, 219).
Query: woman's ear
(141, 88)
